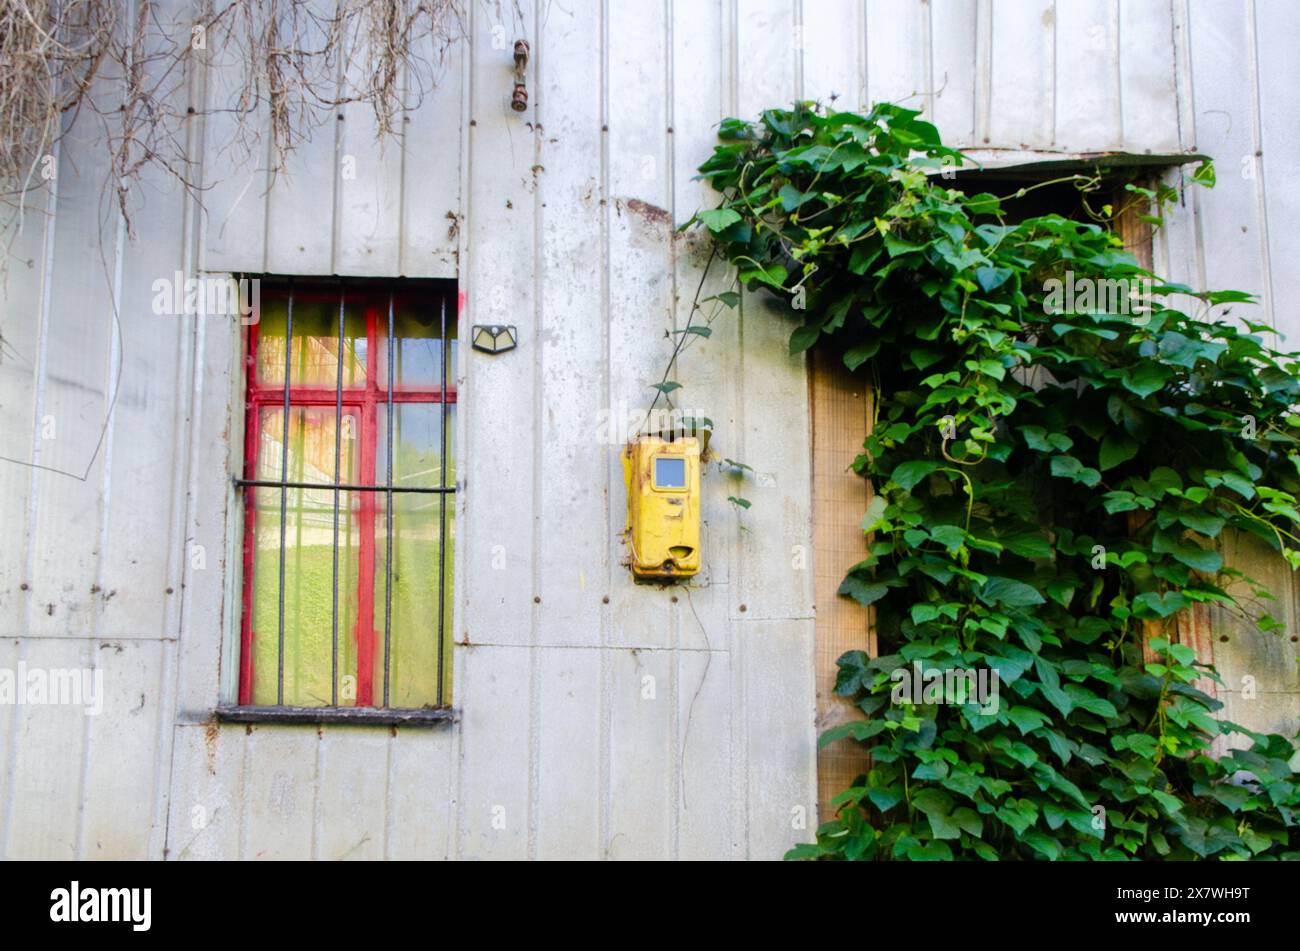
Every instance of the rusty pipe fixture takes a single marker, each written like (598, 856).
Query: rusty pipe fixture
(519, 99)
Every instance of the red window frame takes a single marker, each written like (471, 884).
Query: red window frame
(364, 401)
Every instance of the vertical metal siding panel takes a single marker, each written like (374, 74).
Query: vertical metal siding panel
(205, 804)
(9, 721)
(576, 439)
(210, 567)
(235, 170)
(1088, 95)
(780, 732)
(142, 444)
(352, 793)
(1224, 95)
(830, 46)
(1183, 74)
(983, 71)
(498, 287)
(641, 308)
(117, 808)
(209, 576)
(775, 444)
(24, 309)
(1148, 78)
(1244, 655)
(698, 92)
(184, 433)
(954, 44)
(642, 767)
(48, 757)
(368, 180)
(710, 369)
(421, 794)
(281, 782)
(1278, 171)
(639, 279)
(303, 229)
(771, 659)
(79, 381)
(568, 755)
(898, 54)
(495, 778)
(706, 805)
(431, 143)
(1177, 245)
(1022, 74)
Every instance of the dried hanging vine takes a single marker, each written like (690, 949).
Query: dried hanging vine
(280, 68)
(1051, 482)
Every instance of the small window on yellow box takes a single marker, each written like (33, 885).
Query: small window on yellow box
(670, 472)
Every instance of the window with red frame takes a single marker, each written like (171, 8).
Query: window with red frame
(348, 492)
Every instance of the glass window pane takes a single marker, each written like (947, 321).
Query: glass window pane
(309, 563)
(311, 444)
(314, 361)
(417, 445)
(413, 645)
(418, 329)
(308, 592)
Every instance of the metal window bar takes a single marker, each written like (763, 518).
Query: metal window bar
(284, 484)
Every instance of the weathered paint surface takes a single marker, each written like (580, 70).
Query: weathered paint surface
(597, 718)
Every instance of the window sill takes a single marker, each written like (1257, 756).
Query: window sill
(361, 716)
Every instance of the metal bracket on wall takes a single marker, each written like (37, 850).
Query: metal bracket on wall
(519, 99)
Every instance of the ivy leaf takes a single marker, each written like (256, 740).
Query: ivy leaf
(792, 198)
(993, 368)
(1069, 467)
(1026, 719)
(991, 278)
(856, 356)
(718, 219)
(773, 275)
(1010, 593)
(875, 513)
(667, 387)
(857, 729)
(866, 593)
(907, 475)
(1187, 552)
(1161, 605)
(1116, 448)
(1044, 844)
(1146, 378)
(1203, 522)
(803, 338)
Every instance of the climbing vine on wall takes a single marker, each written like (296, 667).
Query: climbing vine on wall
(1054, 460)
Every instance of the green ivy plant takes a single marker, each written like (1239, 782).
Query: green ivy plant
(1050, 480)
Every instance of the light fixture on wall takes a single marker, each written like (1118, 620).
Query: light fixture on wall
(493, 338)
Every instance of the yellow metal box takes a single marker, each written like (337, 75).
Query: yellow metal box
(663, 506)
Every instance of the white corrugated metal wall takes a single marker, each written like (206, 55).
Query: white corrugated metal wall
(565, 228)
